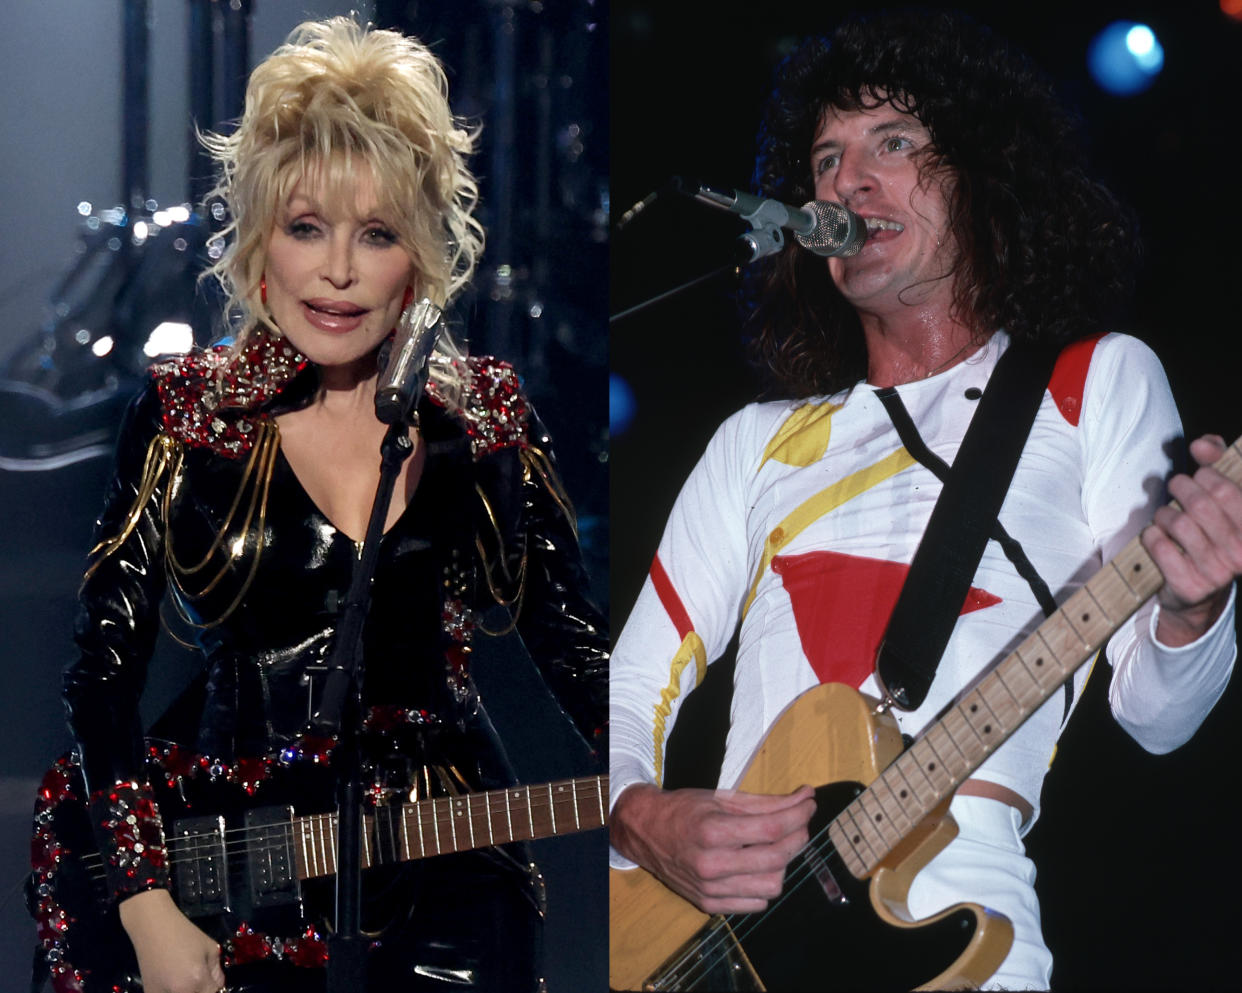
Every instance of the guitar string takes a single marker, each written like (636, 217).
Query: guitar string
(182, 849)
(538, 803)
(740, 926)
(706, 955)
(716, 949)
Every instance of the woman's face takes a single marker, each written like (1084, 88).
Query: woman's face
(336, 275)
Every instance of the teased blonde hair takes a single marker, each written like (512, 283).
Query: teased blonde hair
(335, 98)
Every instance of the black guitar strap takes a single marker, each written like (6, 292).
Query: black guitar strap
(963, 519)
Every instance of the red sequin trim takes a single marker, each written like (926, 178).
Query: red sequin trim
(249, 773)
(177, 763)
(308, 950)
(67, 979)
(493, 405)
(212, 399)
(138, 856)
(247, 945)
(52, 922)
(386, 718)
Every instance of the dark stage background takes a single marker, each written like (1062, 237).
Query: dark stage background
(1136, 854)
(532, 75)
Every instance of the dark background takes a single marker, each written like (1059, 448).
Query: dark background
(1136, 855)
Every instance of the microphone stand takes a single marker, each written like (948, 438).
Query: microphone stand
(763, 238)
(706, 277)
(340, 715)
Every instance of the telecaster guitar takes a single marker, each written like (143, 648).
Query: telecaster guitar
(881, 817)
(244, 865)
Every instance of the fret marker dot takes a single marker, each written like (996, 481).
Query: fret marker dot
(987, 729)
(904, 794)
(857, 838)
(1138, 566)
(931, 766)
(974, 707)
(1039, 661)
(878, 818)
(1086, 617)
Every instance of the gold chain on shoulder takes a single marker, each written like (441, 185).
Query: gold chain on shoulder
(256, 480)
(535, 463)
(163, 454)
(535, 459)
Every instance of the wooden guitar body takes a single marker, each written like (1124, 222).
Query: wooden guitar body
(829, 930)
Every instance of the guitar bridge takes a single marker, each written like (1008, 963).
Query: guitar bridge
(200, 866)
(712, 959)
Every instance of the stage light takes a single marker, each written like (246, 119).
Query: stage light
(1125, 58)
(103, 345)
(1232, 8)
(169, 338)
(621, 405)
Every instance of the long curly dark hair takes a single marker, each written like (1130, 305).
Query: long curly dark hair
(1047, 253)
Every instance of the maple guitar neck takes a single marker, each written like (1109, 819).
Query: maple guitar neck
(928, 772)
(441, 825)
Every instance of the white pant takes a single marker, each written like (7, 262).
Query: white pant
(986, 863)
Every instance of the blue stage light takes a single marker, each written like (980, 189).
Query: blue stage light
(622, 405)
(1125, 58)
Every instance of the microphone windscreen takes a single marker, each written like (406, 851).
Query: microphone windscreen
(837, 232)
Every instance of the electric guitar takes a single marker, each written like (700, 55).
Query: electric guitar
(245, 867)
(882, 815)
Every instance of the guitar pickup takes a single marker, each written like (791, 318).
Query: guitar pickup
(827, 881)
(199, 866)
(270, 867)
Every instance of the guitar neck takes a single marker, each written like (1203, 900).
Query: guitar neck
(441, 825)
(928, 772)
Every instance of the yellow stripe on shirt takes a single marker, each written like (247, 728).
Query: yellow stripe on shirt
(691, 648)
(822, 503)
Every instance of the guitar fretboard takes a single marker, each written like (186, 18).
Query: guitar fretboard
(441, 825)
(924, 775)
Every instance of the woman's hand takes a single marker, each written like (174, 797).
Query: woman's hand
(725, 851)
(174, 956)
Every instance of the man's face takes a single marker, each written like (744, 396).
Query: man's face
(869, 160)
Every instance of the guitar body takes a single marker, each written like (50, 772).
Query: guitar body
(263, 916)
(829, 737)
(252, 857)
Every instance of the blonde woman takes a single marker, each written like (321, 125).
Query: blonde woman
(244, 481)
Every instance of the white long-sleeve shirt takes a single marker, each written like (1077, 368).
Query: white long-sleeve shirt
(802, 517)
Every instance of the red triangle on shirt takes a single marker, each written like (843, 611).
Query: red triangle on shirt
(842, 604)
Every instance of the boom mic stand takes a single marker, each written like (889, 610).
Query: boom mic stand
(340, 708)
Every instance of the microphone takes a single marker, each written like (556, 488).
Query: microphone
(821, 226)
(403, 362)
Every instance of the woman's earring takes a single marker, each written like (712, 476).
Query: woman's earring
(263, 289)
(408, 298)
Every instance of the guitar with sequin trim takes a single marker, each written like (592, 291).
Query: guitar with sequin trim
(882, 813)
(244, 865)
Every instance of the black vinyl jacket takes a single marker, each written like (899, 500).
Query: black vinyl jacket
(255, 563)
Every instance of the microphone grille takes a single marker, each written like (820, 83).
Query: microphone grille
(837, 231)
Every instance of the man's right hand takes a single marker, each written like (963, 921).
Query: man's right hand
(174, 956)
(723, 850)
